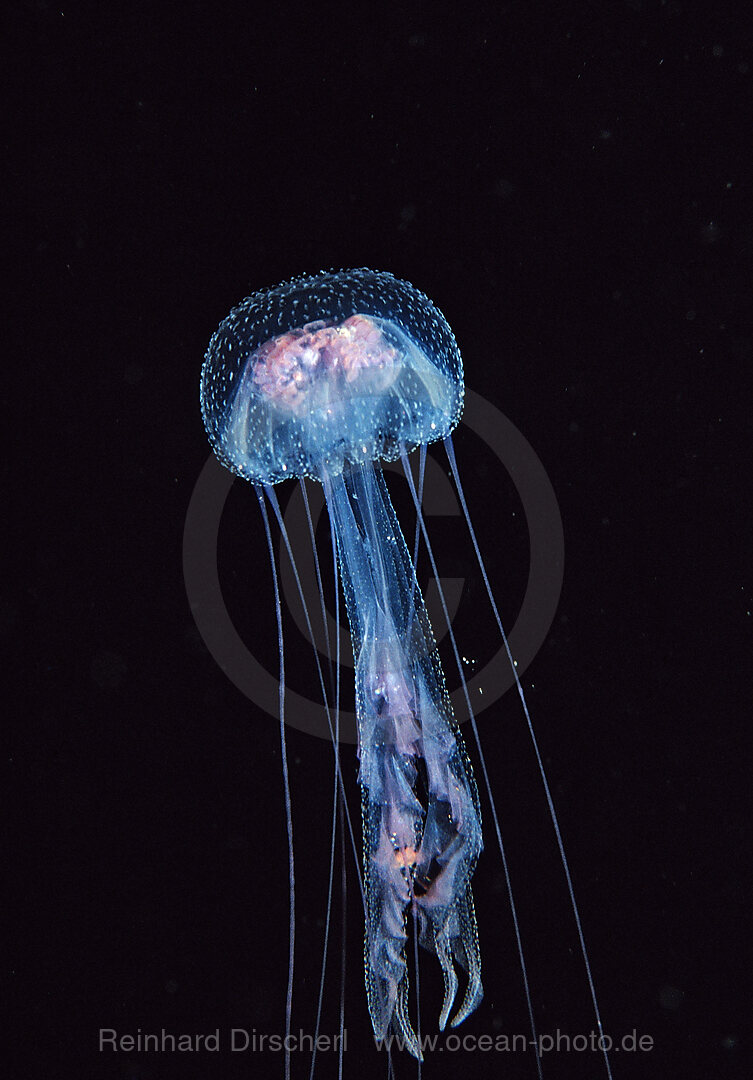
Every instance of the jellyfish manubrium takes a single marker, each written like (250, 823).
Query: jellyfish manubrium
(323, 377)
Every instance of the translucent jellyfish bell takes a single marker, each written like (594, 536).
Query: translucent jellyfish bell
(343, 366)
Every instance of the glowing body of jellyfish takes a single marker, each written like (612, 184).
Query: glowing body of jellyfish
(321, 377)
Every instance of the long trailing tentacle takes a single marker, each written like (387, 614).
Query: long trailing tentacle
(534, 741)
(286, 784)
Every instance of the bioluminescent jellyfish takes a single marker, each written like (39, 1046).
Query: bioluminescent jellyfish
(325, 377)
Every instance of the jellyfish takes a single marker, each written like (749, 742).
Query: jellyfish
(326, 377)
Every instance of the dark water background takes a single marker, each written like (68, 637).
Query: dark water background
(571, 184)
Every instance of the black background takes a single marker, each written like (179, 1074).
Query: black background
(571, 184)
